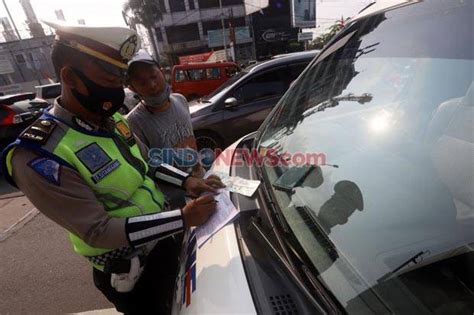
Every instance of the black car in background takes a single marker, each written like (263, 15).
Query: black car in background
(241, 104)
(17, 112)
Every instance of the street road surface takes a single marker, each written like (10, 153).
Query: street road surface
(39, 272)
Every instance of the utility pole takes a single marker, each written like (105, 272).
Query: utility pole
(13, 22)
(223, 29)
(254, 41)
(232, 38)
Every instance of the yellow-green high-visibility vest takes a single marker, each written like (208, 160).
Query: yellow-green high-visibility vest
(116, 173)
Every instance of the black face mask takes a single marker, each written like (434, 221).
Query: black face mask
(101, 100)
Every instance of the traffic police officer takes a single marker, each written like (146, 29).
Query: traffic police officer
(80, 165)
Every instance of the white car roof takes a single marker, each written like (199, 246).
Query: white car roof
(381, 5)
(47, 85)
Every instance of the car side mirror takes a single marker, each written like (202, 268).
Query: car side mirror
(230, 102)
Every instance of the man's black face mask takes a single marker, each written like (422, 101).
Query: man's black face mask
(101, 100)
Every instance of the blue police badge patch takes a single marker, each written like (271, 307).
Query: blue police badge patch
(48, 169)
(93, 157)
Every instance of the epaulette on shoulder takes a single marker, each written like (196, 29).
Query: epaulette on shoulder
(39, 131)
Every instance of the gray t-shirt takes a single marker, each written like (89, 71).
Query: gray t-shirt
(168, 129)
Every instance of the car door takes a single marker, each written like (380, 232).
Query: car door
(255, 99)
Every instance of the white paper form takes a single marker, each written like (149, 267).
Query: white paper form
(224, 214)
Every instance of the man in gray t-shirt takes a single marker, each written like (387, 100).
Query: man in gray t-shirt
(161, 120)
(168, 128)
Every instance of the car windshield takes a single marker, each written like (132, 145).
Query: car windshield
(384, 116)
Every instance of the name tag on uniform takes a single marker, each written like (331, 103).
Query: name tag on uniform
(106, 171)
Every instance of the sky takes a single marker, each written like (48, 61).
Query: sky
(94, 12)
(109, 12)
(328, 11)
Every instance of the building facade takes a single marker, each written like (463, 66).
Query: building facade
(194, 26)
(25, 64)
(274, 30)
(191, 27)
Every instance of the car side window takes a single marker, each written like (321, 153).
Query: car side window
(213, 73)
(196, 74)
(265, 85)
(180, 76)
(296, 69)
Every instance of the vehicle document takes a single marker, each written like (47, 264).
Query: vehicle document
(237, 184)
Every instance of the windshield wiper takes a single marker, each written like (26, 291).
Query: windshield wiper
(289, 268)
(415, 260)
(318, 232)
(285, 256)
(270, 202)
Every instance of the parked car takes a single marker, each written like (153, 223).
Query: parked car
(131, 100)
(198, 79)
(384, 222)
(48, 92)
(16, 113)
(241, 104)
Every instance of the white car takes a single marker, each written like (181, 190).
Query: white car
(131, 100)
(48, 92)
(383, 221)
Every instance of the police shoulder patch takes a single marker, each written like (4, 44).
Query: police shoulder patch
(93, 157)
(47, 168)
(39, 131)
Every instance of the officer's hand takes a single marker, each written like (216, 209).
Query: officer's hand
(198, 171)
(199, 210)
(197, 186)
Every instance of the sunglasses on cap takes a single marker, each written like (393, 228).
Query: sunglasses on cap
(111, 69)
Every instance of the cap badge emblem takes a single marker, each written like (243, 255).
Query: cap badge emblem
(129, 47)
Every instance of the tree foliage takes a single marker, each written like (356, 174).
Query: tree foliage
(145, 12)
(323, 39)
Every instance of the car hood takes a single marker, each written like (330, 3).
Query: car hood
(196, 107)
(33, 105)
(212, 278)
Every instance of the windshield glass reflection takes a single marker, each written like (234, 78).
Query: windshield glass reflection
(391, 108)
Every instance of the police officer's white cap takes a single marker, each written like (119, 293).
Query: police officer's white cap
(115, 45)
(144, 57)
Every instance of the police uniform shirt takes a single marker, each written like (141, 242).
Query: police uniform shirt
(69, 201)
